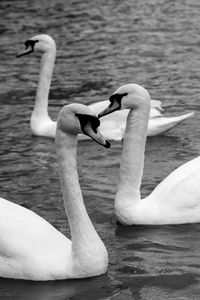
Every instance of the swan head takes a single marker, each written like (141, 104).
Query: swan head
(41, 43)
(78, 118)
(128, 96)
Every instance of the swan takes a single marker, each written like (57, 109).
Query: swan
(30, 247)
(113, 126)
(176, 200)
(42, 125)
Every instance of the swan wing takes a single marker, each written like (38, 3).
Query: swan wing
(181, 189)
(23, 232)
(156, 109)
(98, 106)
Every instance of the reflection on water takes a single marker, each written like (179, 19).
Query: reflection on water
(101, 45)
(68, 289)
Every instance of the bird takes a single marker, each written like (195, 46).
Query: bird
(113, 126)
(176, 199)
(30, 247)
(41, 123)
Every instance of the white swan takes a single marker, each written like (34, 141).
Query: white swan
(113, 126)
(176, 199)
(30, 247)
(42, 125)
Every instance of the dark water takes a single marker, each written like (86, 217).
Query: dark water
(101, 45)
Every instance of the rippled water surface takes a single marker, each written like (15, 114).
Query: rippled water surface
(101, 45)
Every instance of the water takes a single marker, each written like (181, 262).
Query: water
(101, 45)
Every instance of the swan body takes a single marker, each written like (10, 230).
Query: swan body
(176, 200)
(42, 125)
(30, 247)
(113, 126)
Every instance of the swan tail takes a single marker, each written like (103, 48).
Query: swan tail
(175, 120)
(161, 125)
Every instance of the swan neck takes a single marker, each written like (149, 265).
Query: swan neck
(132, 162)
(45, 75)
(82, 230)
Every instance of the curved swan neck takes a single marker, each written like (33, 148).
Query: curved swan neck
(132, 162)
(82, 230)
(45, 75)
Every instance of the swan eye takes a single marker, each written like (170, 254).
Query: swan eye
(85, 119)
(30, 43)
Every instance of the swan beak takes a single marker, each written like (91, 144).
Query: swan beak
(115, 105)
(96, 135)
(25, 52)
